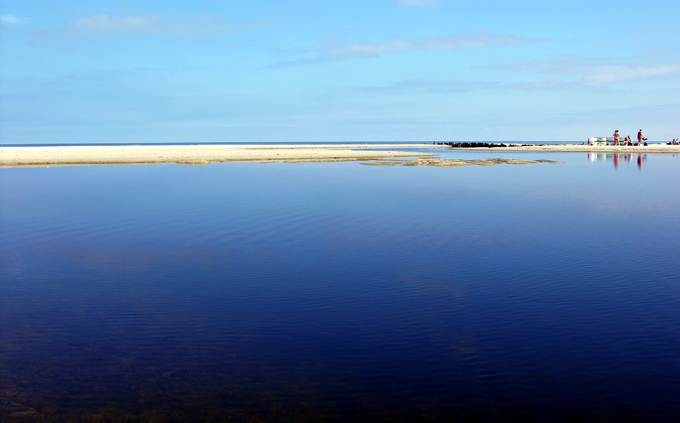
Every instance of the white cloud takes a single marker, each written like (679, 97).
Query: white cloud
(457, 41)
(592, 74)
(8, 19)
(600, 77)
(114, 24)
(608, 74)
(453, 42)
(430, 87)
(109, 25)
(150, 24)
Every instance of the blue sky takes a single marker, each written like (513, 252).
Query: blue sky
(372, 70)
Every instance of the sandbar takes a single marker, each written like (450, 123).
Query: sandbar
(40, 156)
(199, 154)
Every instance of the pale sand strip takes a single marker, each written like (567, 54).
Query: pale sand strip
(203, 154)
(195, 154)
(578, 148)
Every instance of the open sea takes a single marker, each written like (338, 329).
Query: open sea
(317, 292)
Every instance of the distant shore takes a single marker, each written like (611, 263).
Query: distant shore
(39, 156)
(581, 148)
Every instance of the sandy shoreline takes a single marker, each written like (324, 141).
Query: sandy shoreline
(579, 148)
(196, 154)
(203, 154)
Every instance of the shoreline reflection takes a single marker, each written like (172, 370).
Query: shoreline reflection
(618, 157)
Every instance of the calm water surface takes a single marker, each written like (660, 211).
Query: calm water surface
(342, 292)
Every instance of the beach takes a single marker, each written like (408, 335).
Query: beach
(583, 148)
(204, 154)
(195, 154)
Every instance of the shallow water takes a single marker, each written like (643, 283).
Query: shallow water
(336, 291)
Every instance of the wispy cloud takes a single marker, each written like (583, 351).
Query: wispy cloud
(589, 74)
(444, 87)
(421, 3)
(453, 42)
(603, 77)
(111, 25)
(608, 74)
(8, 20)
(430, 87)
(105, 24)
(360, 50)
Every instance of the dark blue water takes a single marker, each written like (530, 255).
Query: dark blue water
(342, 292)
